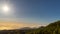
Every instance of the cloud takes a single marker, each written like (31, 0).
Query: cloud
(15, 25)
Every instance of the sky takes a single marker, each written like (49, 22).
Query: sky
(31, 11)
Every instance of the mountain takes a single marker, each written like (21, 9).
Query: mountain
(52, 28)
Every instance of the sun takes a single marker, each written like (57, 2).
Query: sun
(5, 8)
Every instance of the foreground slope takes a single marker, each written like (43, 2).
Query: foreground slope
(53, 28)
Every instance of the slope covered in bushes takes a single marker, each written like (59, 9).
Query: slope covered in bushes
(53, 28)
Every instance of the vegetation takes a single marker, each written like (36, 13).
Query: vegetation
(53, 28)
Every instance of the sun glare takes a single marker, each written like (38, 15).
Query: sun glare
(5, 8)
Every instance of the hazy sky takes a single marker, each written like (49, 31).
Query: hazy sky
(32, 11)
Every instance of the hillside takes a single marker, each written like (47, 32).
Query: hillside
(53, 28)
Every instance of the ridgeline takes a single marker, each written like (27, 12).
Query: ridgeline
(53, 28)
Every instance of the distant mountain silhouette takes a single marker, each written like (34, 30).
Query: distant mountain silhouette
(26, 28)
